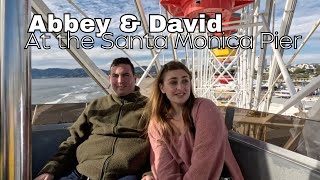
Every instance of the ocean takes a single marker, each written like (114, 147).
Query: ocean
(83, 90)
(64, 90)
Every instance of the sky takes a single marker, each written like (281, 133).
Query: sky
(306, 14)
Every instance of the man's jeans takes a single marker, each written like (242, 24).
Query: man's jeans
(74, 175)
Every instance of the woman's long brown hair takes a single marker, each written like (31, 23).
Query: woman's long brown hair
(158, 106)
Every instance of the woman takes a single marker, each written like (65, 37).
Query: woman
(188, 136)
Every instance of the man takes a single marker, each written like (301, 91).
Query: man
(107, 140)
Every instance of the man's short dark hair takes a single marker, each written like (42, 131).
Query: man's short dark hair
(122, 60)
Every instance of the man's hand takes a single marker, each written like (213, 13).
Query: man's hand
(147, 177)
(45, 176)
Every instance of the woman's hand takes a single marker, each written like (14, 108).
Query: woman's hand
(147, 177)
(45, 176)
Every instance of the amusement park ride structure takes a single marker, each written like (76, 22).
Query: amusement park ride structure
(242, 67)
(229, 75)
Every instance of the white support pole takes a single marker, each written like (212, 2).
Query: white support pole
(262, 56)
(242, 67)
(253, 51)
(194, 72)
(283, 68)
(284, 30)
(248, 59)
(243, 77)
(272, 71)
(296, 98)
(199, 52)
(39, 7)
(187, 57)
(206, 66)
(292, 58)
(174, 51)
(146, 31)
(148, 68)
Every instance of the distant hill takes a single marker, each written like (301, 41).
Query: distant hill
(70, 73)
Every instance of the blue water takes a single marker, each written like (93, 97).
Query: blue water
(64, 90)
